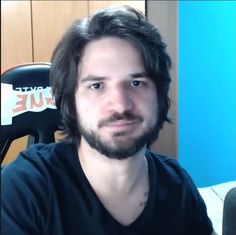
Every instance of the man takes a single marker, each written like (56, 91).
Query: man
(110, 79)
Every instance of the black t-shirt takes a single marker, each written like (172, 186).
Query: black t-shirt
(44, 191)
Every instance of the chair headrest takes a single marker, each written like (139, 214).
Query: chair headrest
(27, 104)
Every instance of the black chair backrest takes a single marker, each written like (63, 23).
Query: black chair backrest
(27, 107)
(229, 213)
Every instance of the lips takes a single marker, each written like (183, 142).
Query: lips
(121, 126)
(122, 123)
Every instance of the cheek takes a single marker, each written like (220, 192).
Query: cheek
(152, 108)
(87, 113)
(83, 111)
(82, 105)
(152, 101)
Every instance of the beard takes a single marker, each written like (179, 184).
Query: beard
(120, 148)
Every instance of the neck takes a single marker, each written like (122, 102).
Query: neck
(122, 186)
(112, 175)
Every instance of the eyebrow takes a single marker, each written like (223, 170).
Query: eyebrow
(138, 75)
(91, 78)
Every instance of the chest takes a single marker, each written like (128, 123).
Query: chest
(82, 211)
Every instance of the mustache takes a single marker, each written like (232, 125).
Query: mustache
(127, 115)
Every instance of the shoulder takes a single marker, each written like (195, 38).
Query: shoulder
(34, 164)
(165, 165)
(172, 175)
(25, 183)
(29, 181)
(177, 185)
(38, 154)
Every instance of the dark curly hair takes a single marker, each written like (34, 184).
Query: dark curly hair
(126, 23)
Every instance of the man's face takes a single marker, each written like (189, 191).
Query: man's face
(116, 102)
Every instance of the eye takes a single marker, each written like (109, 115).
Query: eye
(136, 83)
(96, 86)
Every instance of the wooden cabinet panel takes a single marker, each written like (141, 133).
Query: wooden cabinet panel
(163, 14)
(16, 147)
(16, 37)
(16, 48)
(50, 19)
(95, 5)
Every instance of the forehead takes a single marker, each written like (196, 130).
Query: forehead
(110, 54)
(110, 43)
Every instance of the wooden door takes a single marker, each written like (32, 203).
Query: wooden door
(163, 14)
(16, 35)
(16, 47)
(95, 5)
(50, 19)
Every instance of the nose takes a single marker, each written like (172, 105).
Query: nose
(120, 100)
